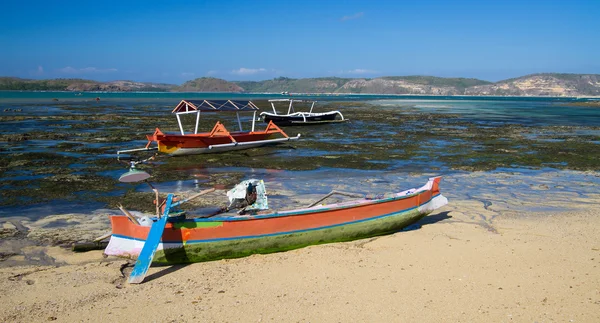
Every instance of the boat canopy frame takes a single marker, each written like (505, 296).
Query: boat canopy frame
(291, 105)
(197, 106)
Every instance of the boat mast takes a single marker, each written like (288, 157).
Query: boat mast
(239, 122)
(179, 123)
(188, 111)
(273, 105)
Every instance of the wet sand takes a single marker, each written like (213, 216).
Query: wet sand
(535, 267)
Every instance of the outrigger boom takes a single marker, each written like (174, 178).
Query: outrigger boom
(261, 142)
(136, 150)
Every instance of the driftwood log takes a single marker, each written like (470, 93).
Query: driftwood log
(97, 244)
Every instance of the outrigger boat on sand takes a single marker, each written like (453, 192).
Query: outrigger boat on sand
(299, 118)
(219, 139)
(172, 240)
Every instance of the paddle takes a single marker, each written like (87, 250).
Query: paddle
(145, 258)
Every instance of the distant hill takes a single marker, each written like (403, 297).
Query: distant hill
(208, 84)
(545, 84)
(19, 84)
(426, 85)
(79, 85)
(120, 86)
(381, 85)
(307, 85)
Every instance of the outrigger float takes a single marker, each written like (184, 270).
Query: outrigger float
(219, 139)
(173, 238)
(293, 118)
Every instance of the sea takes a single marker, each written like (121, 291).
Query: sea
(513, 188)
(21, 96)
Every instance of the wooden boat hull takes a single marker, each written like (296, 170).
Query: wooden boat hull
(299, 119)
(197, 240)
(218, 140)
(178, 145)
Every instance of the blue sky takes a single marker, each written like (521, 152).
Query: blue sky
(175, 41)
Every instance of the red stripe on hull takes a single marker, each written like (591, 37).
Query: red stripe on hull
(202, 140)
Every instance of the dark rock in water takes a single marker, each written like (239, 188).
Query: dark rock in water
(15, 137)
(8, 233)
(5, 255)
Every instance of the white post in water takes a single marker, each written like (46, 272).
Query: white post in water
(253, 120)
(273, 106)
(239, 122)
(197, 122)
(179, 122)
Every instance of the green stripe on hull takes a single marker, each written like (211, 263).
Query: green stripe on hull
(236, 248)
(196, 225)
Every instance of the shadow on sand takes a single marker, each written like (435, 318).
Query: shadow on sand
(165, 271)
(430, 219)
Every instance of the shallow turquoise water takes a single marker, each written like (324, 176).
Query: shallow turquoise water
(541, 112)
(33, 96)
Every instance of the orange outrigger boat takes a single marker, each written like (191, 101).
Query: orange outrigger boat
(171, 240)
(219, 139)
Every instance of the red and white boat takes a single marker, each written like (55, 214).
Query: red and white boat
(219, 139)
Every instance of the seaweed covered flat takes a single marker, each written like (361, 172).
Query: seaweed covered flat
(61, 151)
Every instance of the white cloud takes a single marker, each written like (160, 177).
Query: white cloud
(187, 74)
(68, 70)
(248, 71)
(359, 71)
(39, 71)
(354, 16)
(212, 72)
(71, 70)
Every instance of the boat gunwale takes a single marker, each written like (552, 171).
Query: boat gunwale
(380, 216)
(318, 209)
(321, 209)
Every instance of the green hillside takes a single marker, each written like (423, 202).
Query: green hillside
(281, 84)
(459, 82)
(18, 84)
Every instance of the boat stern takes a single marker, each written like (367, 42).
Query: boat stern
(437, 199)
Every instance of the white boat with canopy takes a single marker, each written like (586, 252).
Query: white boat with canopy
(299, 118)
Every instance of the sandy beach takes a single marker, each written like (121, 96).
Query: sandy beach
(452, 267)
